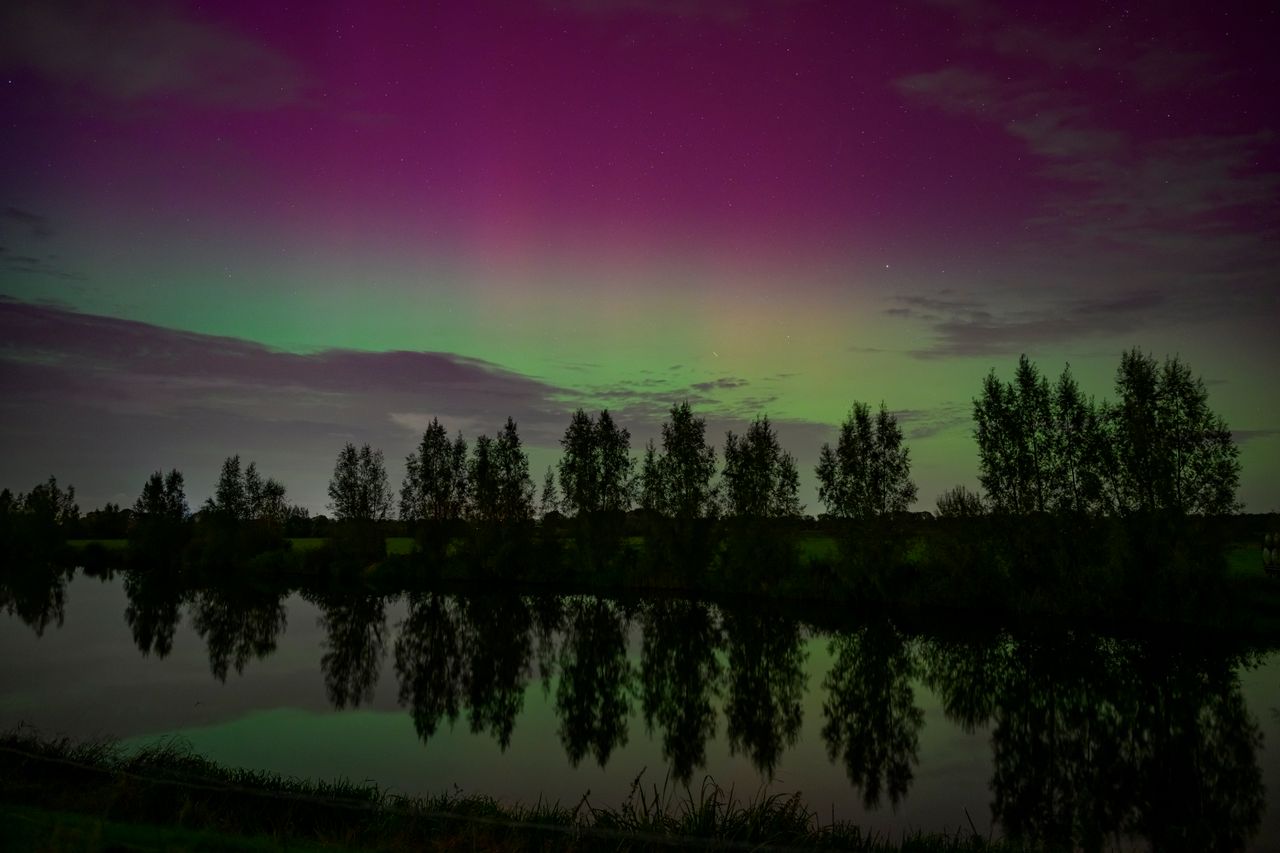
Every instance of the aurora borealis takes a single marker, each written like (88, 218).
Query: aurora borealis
(268, 229)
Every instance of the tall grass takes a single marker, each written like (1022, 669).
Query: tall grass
(167, 785)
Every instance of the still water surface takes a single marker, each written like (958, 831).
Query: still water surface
(1060, 735)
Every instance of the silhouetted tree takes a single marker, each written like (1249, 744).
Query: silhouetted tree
(677, 492)
(273, 510)
(960, 502)
(580, 466)
(550, 501)
(245, 517)
(685, 468)
(652, 496)
(1079, 450)
(759, 480)
(253, 487)
(515, 486)
(1173, 453)
(111, 521)
(597, 480)
(868, 474)
(229, 500)
(759, 487)
(434, 495)
(501, 500)
(483, 477)
(33, 532)
(358, 490)
(360, 499)
(1040, 447)
(162, 497)
(160, 517)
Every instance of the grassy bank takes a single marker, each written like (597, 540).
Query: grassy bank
(63, 796)
(935, 571)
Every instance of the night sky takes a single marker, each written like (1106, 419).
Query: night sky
(268, 229)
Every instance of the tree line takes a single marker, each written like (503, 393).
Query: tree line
(1044, 448)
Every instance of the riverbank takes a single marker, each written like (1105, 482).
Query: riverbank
(55, 794)
(936, 578)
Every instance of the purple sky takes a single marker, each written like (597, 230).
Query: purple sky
(266, 229)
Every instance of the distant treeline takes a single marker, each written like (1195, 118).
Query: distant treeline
(1057, 471)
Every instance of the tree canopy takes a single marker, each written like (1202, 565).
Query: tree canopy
(358, 490)
(760, 479)
(868, 473)
(1173, 453)
(435, 487)
(676, 482)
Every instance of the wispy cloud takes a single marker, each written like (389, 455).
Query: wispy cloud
(34, 231)
(1182, 193)
(970, 326)
(723, 383)
(924, 423)
(32, 224)
(136, 49)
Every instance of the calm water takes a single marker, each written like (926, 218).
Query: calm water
(1099, 739)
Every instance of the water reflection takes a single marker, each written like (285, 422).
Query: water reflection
(237, 625)
(355, 626)
(500, 643)
(1096, 738)
(36, 594)
(766, 685)
(428, 661)
(872, 721)
(593, 698)
(154, 610)
(1092, 739)
(681, 679)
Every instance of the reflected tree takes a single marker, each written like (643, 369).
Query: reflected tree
(966, 677)
(593, 696)
(154, 609)
(1094, 739)
(237, 625)
(429, 662)
(1059, 773)
(1200, 785)
(500, 652)
(680, 679)
(766, 682)
(548, 615)
(36, 594)
(355, 643)
(872, 721)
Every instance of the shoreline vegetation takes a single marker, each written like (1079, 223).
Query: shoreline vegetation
(1101, 513)
(96, 796)
(950, 573)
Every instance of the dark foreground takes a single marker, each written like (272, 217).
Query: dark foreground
(94, 796)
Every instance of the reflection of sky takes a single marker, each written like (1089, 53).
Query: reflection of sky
(763, 207)
(87, 680)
